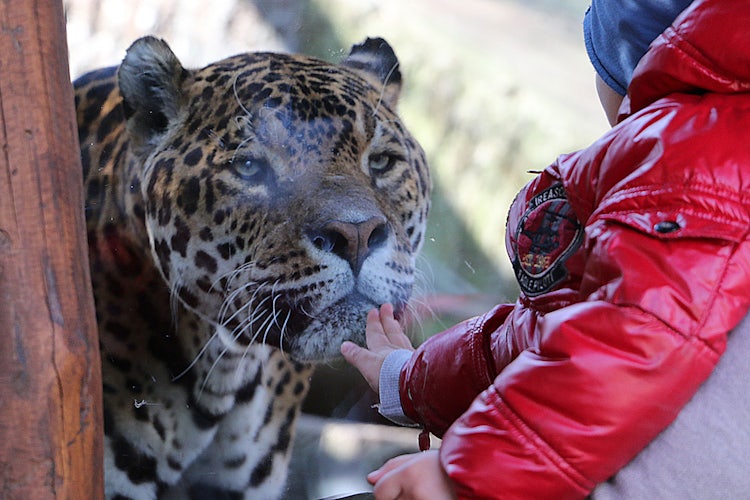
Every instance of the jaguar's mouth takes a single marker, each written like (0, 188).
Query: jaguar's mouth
(274, 319)
(344, 320)
(300, 328)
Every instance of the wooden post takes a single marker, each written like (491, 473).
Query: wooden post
(50, 382)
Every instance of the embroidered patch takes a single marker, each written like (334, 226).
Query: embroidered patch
(547, 234)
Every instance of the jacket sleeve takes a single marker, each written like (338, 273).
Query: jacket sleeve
(600, 378)
(449, 370)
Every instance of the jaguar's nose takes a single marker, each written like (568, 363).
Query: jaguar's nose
(353, 242)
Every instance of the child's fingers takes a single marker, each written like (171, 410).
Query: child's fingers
(367, 362)
(395, 462)
(390, 325)
(375, 335)
(373, 322)
(392, 328)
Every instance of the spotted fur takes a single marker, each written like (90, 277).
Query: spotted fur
(242, 218)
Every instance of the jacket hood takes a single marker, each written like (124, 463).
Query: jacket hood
(707, 49)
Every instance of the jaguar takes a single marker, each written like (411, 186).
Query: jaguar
(242, 219)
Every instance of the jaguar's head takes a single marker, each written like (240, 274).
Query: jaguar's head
(283, 196)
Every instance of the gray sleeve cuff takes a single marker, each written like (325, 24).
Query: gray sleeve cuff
(390, 400)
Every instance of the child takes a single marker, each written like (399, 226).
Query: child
(633, 259)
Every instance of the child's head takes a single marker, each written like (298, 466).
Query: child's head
(617, 34)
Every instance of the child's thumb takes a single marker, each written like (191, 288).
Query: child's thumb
(364, 361)
(354, 354)
(349, 349)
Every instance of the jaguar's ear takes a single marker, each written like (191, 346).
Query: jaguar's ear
(375, 60)
(150, 79)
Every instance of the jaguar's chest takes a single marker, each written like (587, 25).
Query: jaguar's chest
(224, 416)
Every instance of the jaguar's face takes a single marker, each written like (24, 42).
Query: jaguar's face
(284, 198)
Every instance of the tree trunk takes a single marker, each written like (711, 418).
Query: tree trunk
(50, 382)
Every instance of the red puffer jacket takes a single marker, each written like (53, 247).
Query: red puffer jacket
(633, 257)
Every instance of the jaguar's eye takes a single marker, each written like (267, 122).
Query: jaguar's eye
(250, 168)
(380, 163)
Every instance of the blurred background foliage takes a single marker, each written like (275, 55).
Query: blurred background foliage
(494, 90)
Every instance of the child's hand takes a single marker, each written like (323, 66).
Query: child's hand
(383, 335)
(418, 476)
